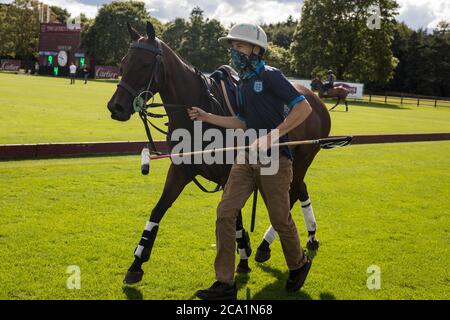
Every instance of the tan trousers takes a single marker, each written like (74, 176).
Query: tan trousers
(275, 190)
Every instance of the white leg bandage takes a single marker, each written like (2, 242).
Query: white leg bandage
(150, 225)
(243, 254)
(308, 215)
(310, 220)
(270, 235)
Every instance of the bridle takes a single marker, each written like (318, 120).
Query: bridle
(138, 101)
(140, 104)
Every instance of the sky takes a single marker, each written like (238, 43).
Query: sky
(415, 13)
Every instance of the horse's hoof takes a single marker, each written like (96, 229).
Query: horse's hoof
(133, 277)
(243, 269)
(262, 255)
(313, 245)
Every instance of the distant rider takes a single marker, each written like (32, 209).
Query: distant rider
(330, 81)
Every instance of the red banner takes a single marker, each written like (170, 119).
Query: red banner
(106, 72)
(10, 65)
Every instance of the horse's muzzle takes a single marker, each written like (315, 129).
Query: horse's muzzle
(117, 112)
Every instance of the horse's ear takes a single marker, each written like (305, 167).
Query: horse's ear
(133, 33)
(150, 31)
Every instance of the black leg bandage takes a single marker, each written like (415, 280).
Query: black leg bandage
(144, 248)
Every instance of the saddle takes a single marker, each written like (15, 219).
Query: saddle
(226, 79)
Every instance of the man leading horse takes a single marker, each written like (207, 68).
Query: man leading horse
(263, 94)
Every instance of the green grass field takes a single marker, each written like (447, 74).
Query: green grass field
(44, 109)
(384, 205)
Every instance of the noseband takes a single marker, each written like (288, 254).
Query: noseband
(138, 101)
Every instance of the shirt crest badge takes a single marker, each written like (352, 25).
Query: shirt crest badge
(258, 86)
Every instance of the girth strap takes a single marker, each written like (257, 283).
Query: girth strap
(255, 199)
(199, 185)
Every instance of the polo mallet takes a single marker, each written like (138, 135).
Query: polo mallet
(145, 160)
(325, 143)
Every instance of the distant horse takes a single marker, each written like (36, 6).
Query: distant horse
(151, 65)
(338, 92)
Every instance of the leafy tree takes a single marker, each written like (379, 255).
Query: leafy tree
(174, 32)
(281, 33)
(106, 37)
(61, 14)
(335, 35)
(6, 38)
(424, 66)
(196, 40)
(19, 29)
(191, 43)
(400, 48)
(279, 57)
(440, 55)
(214, 54)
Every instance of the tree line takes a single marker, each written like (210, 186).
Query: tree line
(328, 34)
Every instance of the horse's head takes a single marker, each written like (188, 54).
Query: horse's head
(141, 70)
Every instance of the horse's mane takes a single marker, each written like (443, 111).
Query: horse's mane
(186, 63)
(189, 66)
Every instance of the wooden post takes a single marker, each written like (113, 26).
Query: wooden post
(370, 97)
(401, 100)
(418, 101)
(435, 103)
(385, 98)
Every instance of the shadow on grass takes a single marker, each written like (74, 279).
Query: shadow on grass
(276, 290)
(357, 103)
(241, 281)
(312, 254)
(380, 105)
(132, 293)
(335, 110)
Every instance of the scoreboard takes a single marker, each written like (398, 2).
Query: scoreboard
(59, 46)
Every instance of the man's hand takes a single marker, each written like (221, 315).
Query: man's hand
(263, 143)
(197, 114)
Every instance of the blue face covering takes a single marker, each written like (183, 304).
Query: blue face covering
(243, 64)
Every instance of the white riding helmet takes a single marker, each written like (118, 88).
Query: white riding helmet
(246, 32)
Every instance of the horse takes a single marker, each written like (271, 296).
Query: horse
(151, 66)
(338, 92)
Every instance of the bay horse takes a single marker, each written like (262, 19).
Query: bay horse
(151, 65)
(338, 92)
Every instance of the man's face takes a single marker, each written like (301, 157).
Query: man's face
(245, 47)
